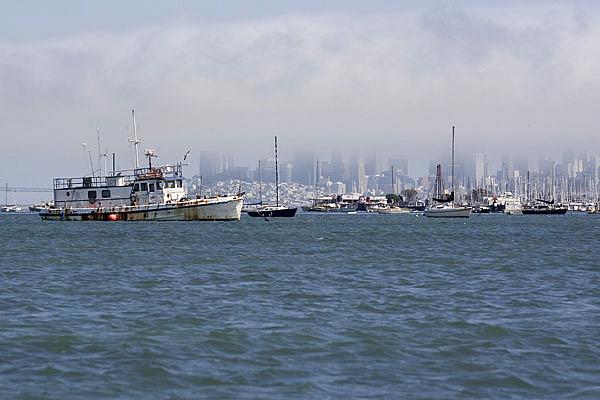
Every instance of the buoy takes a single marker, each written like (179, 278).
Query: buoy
(113, 217)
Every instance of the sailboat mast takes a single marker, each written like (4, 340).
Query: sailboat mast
(452, 160)
(317, 182)
(276, 174)
(393, 187)
(260, 182)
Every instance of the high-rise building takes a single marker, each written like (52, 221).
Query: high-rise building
(371, 167)
(227, 163)
(286, 172)
(303, 168)
(596, 167)
(339, 168)
(357, 177)
(481, 170)
(400, 165)
(210, 164)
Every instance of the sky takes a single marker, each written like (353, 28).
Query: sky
(513, 77)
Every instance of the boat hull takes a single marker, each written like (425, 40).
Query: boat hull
(277, 213)
(394, 211)
(210, 209)
(456, 212)
(552, 211)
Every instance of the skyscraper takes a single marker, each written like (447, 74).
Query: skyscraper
(210, 164)
(303, 168)
(371, 163)
(481, 169)
(357, 177)
(400, 165)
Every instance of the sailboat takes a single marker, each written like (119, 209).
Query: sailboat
(267, 211)
(445, 207)
(10, 207)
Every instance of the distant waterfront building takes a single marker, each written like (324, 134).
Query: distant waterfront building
(339, 168)
(286, 172)
(400, 165)
(481, 169)
(596, 167)
(227, 163)
(357, 179)
(303, 168)
(371, 167)
(338, 188)
(210, 164)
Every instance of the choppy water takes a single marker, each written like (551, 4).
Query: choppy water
(313, 307)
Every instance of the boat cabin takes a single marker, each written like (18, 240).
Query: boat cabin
(142, 186)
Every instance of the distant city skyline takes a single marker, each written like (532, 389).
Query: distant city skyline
(517, 78)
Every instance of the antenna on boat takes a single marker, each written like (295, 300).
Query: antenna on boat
(136, 141)
(84, 145)
(150, 153)
(276, 174)
(101, 155)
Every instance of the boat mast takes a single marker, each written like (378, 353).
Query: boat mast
(317, 182)
(276, 174)
(135, 141)
(260, 182)
(452, 193)
(393, 187)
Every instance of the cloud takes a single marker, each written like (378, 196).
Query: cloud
(396, 81)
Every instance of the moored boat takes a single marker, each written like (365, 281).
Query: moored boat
(544, 209)
(446, 207)
(141, 194)
(277, 210)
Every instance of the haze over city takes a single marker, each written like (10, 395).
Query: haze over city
(514, 77)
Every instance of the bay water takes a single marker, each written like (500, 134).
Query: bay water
(318, 306)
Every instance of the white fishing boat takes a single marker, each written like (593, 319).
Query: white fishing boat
(444, 206)
(141, 194)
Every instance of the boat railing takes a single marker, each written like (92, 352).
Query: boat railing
(120, 178)
(92, 181)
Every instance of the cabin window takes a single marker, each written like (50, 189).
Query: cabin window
(170, 184)
(105, 193)
(136, 187)
(92, 194)
(144, 187)
(151, 187)
(158, 185)
(179, 183)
